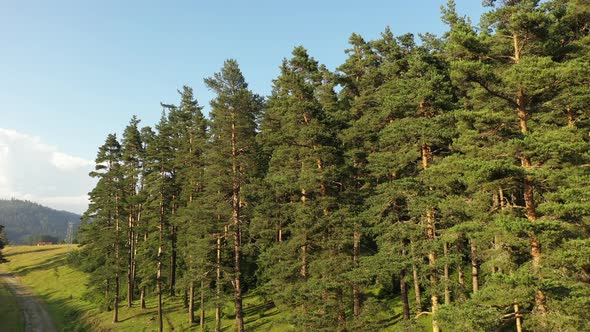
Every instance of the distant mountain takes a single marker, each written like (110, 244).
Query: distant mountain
(25, 222)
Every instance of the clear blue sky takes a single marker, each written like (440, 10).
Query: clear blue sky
(72, 71)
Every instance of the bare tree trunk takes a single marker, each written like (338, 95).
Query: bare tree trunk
(416, 280)
(530, 207)
(116, 300)
(202, 308)
(356, 295)
(106, 295)
(218, 286)
(236, 223)
(430, 236)
(518, 318)
(474, 266)
(446, 274)
(117, 263)
(159, 271)
(461, 276)
(341, 313)
(173, 260)
(404, 294)
(191, 303)
(130, 263)
(303, 270)
(142, 298)
(434, 297)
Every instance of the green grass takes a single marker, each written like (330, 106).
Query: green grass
(45, 271)
(11, 316)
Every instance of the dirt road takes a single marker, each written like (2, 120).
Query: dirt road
(36, 317)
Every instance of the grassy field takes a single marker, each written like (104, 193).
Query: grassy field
(45, 271)
(11, 317)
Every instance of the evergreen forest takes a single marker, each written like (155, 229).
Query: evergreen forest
(450, 173)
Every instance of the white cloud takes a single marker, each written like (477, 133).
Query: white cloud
(68, 163)
(35, 171)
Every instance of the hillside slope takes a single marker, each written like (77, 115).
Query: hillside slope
(24, 220)
(45, 270)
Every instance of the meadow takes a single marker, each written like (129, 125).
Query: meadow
(46, 272)
(62, 288)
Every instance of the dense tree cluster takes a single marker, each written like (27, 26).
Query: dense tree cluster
(451, 174)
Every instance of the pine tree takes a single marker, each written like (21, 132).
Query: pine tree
(306, 259)
(420, 131)
(512, 78)
(232, 155)
(194, 242)
(159, 189)
(104, 244)
(132, 155)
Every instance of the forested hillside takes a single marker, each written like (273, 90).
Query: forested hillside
(27, 222)
(449, 174)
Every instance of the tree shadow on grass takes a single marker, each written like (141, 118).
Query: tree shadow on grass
(12, 254)
(54, 262)
(66, 315)
(145, 312)
(256, 316)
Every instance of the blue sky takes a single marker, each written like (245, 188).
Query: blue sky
(73, 71)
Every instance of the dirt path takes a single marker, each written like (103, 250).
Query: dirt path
(36, 317)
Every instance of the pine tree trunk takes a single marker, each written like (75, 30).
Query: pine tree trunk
(356, 294)
(430, 236)
(571, 118)
(136, 240)
(303, 270)
(341, 313)
(159, 290)
(202, 308)
(173, 260)
(191, 303)
(521, 101)
(446, 274)
(416, 280)
(236, 223)
(159, 270)
(461, 276)
(218, 286)
(107, 294)
(404, 295)
(173, 252)
(474, 266)
(142, 298)
(117, 263)
(116, 300)
(518, 318)
(130, 263)
(434, 297)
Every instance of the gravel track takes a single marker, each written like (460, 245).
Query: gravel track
(36, 317)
